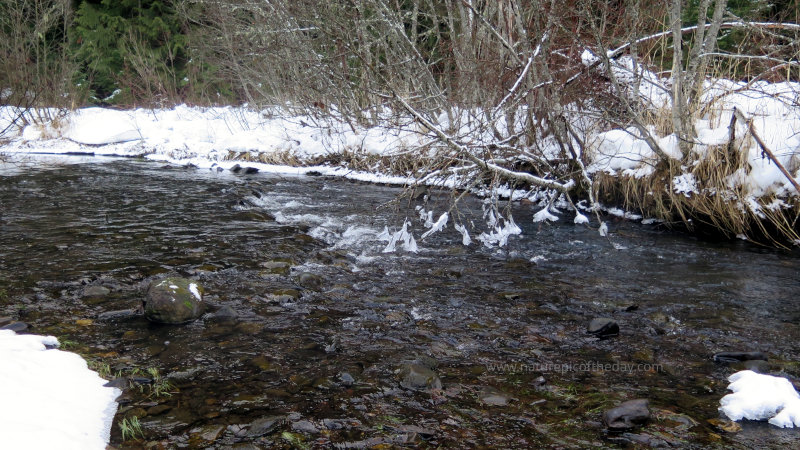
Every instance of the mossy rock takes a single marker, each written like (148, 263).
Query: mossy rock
(174, 300)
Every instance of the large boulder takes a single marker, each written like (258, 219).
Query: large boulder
(174, 300)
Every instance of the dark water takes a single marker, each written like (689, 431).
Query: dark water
(325, 319)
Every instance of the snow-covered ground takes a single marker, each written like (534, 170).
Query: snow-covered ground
(212, 138)
(50, 398)
(218, 137)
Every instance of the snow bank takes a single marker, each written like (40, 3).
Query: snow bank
(50, 399)
(757, 397)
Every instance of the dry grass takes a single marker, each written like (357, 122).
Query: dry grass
(716, 208)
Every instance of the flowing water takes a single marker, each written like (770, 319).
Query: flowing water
(326, 324)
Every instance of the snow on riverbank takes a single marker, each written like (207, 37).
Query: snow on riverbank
(759, 397)
(212, 138)
(50, 399)
(274, 141)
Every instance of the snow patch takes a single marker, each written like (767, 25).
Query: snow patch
(51, 399)
(193, 289)
(757, 397)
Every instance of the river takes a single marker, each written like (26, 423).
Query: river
(325, 325)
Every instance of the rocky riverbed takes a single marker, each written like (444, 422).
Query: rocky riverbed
(314, 337)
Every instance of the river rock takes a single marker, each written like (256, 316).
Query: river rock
(346, 379)
(117, 315)
(17, 327)
(418, 377)
(493, 397)
(305, 426)
(734, 357)
(96, 291)
(265, 425)
(627, 415)
(603, 327)
(310, 281)
(226, 314)
(174, 300)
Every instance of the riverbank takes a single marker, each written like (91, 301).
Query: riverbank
(740, 180)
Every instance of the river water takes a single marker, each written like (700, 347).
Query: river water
(326, 324)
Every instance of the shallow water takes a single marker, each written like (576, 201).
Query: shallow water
(511, 319)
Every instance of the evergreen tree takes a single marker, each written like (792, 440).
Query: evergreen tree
(135, 46)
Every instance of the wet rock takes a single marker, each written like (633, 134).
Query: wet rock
(427, 361)
(119, 383)
(418, 377)
(397, 316)
(265, 425)
(96, 291)
(733, 357)
(276, 267)
(226, 314)
(310, 281)
(5, 321)
(17, 327)
(207, 434)
(174, 300)
(117, 315)
(236, 168)
(250, 170)
(305, 426)
(725, 425)
(493, 397)
(627, 415)
(346, 379)
(603, 327)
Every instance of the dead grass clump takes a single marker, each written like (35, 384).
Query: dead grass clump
(715, 206)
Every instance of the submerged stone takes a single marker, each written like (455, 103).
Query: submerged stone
(96, 291)
(310, 281)
(226, 314)
(265, 425)
(418, 377)
(493, 397)
(627, 415)
(174, 300)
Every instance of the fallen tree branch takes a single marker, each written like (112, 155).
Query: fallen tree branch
(764, 148)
